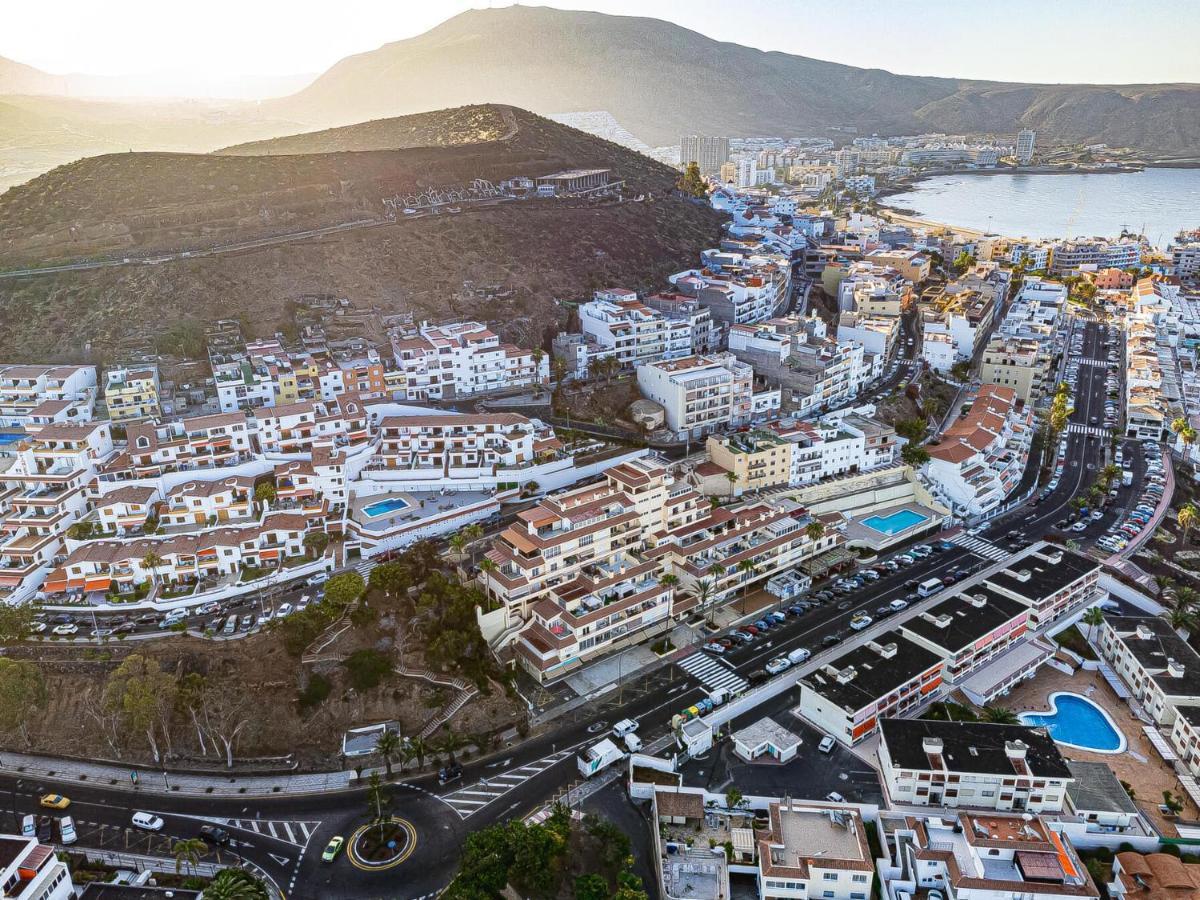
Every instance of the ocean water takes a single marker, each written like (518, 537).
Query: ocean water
(1156, 202)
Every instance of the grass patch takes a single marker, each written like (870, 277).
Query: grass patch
(1072, 639)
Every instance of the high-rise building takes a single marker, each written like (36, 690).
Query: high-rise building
(1025, 139)
(710, 153)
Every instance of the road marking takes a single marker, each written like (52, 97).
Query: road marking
(981, 547)
(704, 669)
(469, 800)
(282, 860)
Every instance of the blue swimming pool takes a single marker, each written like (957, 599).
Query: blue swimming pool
(896, 522)
(385, 507)
(1078, 722)
(10, 438)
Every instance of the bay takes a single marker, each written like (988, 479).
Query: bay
(1155, 202)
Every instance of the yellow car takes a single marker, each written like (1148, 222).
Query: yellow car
(55, 801)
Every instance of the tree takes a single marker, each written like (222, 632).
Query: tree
(235, 884)
(934, 407)
(473, 533)
(912, 429)
(144, 696)
(1000, 715)
(734, 799)
(704, 594)
(188, 852)
(733, 478)
(22, 692)
(225, 712)
(378, 800)
(315, 543)
(390, 578)
(960, 371)
(458, 544)
(344, 589)
(1181, 618)
(1188, 518)
(1093, 617)
(669, 580)
(264, 492)
(1186, 597)
(963, 261)
(591, 887)
(151, 562)
(691, 182)
(366, 669)
(748, 570)
(15, 621)
(1173, 802)
(451, 742)
(914, 455)
(814, 530)
(415, 748)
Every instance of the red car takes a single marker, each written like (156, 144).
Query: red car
(750, 630)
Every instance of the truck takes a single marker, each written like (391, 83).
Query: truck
(1127, 477)
(597, 757)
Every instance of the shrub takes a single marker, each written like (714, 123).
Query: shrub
(366, 669)
(314, 693)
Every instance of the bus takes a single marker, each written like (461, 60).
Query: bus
(929, 586)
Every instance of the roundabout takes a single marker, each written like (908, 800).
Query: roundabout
(381, 845)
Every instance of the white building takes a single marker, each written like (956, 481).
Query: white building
(31, 394)
(32, 870)
(464, 359)
(702, 394)
(1025, 144)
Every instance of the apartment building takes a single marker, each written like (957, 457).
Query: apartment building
(913, 265)
(708, 152)
(981, 457)
(887, 676)
(879, 335)
(449, 446)
(703, 394)
(44, 479)
(825, 373)
(617, 321)
(871, 288)
(1159, 667)
(209, 503)
(124, 510)
(1049, 580)
(1071, 256)
(463, 359)
(1022, 364)
(814, 850)
(1185, 257)
(1036, 312)
(31, 394)
(121, 566)
(132, 393)
(742, 291)
(937, 347)
(1026, 139)
(298, 427)
(969, 629)
(197, 442)
(972, 764)
(32, 870)
(982, 856)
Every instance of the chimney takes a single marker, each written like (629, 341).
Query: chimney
(887, 651)
(846, 675)
(1175, 669)
(1015, 749)
(932, 745)
(976, 600)
(1144, 631)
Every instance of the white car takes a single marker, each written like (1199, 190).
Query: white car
(827, 744)
(777, 665)
(319, 578)
(861, 621)
(147, 821)
(898, 605)
(285, 609)
(63, 630)
(835, 797)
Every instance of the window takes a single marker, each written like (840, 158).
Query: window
(859, 879)
(830, 876)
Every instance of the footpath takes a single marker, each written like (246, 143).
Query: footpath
(158, 781)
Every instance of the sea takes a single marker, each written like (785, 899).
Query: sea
(1158, 203)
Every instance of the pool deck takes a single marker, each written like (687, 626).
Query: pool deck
(421, 504)
(859, 534)
(1139, 764)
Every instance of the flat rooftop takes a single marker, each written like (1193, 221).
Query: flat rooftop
(866, 675)
(1040, 571)
(1160, 647)
(957, 623)
(971, 747)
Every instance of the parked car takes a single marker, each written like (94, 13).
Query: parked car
(777, 665)
(860, 621)
(214, 834)
(827, 744)
(318, 578)
(64, 630)
(835, 797)
(147, 821)
(714, 647)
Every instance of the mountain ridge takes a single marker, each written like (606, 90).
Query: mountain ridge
(661, 80)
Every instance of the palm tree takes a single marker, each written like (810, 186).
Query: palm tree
(150, 562)
(1188, 518)
(748, 570)
(417, 749)
(473, 533)
(1093, 617)
(386, 746)
(1177, 425)
(732, 478)
(235, 884)
(669, 580)
(188, 852)
(450, 743)
(704, 590)
(458, 544)
(1186, 597)
(1182, 619)
(815, 530)
(1000, 715)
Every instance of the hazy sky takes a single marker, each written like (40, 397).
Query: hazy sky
(210, 43)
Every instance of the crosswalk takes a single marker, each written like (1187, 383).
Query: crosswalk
(1094, 430)
(980, 547)
(469, 800)
(711, 673)
(289, 831)
(1102, 363)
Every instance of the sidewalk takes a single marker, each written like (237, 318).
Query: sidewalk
(156, 781)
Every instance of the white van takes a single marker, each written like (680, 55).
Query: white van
(66, 830)
(28, 826)
(798, 656)
(633, 742)
(929, 586)
(624, 727)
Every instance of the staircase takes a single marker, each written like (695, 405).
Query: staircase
(447, 712)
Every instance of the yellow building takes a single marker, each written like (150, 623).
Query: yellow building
(132, 393)
(1015, 363)
(759, 459)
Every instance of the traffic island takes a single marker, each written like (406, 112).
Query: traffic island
(382, 845)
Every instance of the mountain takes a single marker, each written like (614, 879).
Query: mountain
(660, 81)
(158, 205)
(18, 78)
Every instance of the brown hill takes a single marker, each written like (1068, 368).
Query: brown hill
(147, 204)
(660, 81)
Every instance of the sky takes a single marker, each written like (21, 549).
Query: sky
(223, 47)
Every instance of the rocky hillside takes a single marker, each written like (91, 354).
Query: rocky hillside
(535, 252)
(660, 80)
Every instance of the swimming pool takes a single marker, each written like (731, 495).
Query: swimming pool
(1076, 721)
(899, 521)
(385, 507)
(10, 438)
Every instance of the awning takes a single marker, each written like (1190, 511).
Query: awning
(268, 554)
(1165, 750)
(56, 583)
(97, 583)
(75, 584)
